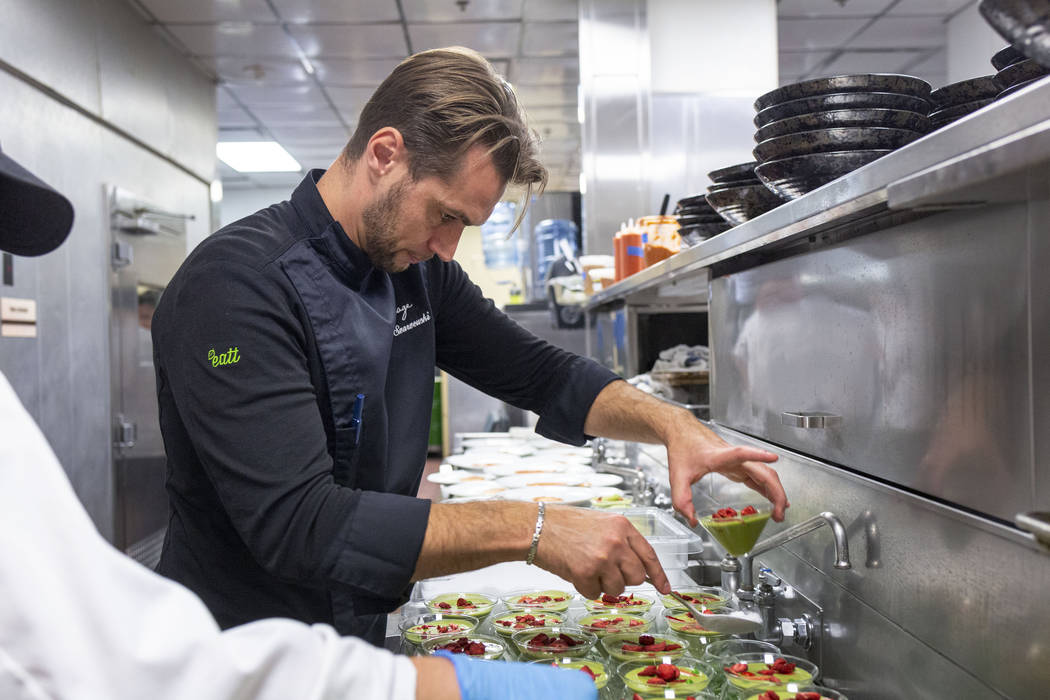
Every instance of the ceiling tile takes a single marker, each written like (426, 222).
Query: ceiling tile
(351, 40)
(349, 100)
(935, 63)
(941, 8)
(347, 72)
(903, 32)
(550, 39)
(450, 11)
(273, 95)
(551, 10)
(810, 34)
(239, 134)
(299, 115)
(546, 95)
(797, 63)
(831, 8)
(209, 10)
(269, 71)
(233, 117)
(234, 39)
(291, 136)
(870, 62)
(336, 10)
(489, 38)
(545, 71)
(500, 65)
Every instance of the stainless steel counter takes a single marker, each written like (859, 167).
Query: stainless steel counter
(977, 154)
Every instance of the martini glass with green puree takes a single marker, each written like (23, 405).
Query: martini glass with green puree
(737, 527)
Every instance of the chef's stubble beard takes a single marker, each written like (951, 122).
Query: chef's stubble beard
(380, 219)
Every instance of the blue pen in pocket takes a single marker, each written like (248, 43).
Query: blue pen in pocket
(359, 408)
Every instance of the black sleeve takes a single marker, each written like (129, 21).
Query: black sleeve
(479, 344)
(234, 352)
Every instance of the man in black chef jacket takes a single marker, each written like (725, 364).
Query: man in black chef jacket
(295, 355)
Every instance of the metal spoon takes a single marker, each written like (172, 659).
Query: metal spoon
(741, 623)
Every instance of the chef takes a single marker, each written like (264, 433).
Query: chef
(295, 353)
(78, 619)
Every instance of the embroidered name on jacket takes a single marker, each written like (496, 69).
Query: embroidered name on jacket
(399, 329)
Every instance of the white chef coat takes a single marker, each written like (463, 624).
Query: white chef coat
(78, 619)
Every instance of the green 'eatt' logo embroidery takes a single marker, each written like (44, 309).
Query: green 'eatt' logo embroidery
(230, 357)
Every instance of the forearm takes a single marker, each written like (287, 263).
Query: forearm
(622, 412)
(435, 679)
(468, 536)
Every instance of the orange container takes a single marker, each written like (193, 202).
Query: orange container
(634, 252)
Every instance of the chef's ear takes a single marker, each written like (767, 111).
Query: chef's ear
(385, 151)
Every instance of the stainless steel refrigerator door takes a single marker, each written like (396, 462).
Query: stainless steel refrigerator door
(148, 246)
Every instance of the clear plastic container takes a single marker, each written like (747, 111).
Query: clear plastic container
(674, 543)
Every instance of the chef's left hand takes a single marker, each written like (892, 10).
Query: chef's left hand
(694, 451)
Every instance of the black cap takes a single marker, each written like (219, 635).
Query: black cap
(34, 218)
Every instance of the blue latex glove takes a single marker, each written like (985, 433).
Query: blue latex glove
(492, 680)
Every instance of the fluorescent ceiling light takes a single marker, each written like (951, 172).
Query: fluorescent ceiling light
(256, 157)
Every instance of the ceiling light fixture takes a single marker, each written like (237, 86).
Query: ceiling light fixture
(256, 157)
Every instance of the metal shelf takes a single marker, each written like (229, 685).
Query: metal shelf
(970, 162)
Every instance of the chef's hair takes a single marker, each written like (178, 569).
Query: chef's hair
(444, 102)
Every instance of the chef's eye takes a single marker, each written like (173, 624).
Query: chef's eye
(446, 218)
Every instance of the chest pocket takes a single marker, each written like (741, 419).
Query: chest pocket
(354, 331)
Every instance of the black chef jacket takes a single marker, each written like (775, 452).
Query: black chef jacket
(282, 503)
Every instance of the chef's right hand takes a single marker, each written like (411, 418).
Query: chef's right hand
(499, 680)
(597, 552)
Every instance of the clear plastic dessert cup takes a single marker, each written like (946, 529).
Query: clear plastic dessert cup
(808, 693)
(476, 646)
(606, 622)
(476, 605)
(554, 642)
(765, 671)
(628, 602)
(507, 623)
(685, 675)
(548, 600)
(419, 628)
(631, 646)
(702, 597)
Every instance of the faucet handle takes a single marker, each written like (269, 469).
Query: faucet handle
(767, 577)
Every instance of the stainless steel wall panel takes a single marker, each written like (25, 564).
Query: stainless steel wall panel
(1038, 183)
(54, 41)
(917, 336)
(939, 603)
(63, 375)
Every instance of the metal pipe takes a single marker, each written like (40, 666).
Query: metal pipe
(828, 518)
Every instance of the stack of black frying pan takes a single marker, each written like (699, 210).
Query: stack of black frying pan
(1015, 71)
(1026, 25)
(738, 195)
(956, 100)
(813, 132)
(697, 221)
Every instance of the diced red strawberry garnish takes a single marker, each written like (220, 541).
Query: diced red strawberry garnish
(737, 668)
(648, 671)
(766, 672)
(609, 599)
(656, 681)
(750, 510)
(646, 639)
(636, 696)
(672, 647)
(771, 695)
(444, 606)
(464, 646)
(636, 623)
(463, 603)
(631, 647)
(656, 646)
(587, 669)
(668, 672)
(806, 695)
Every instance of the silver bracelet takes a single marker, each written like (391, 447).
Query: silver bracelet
(536, 534)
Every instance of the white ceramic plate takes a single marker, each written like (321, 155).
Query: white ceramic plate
(571, 478)
(536, 466)
(561, 495)
(476, 459)
(457, 476)
(472, 489)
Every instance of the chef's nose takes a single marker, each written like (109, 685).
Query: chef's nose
(444, 242)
